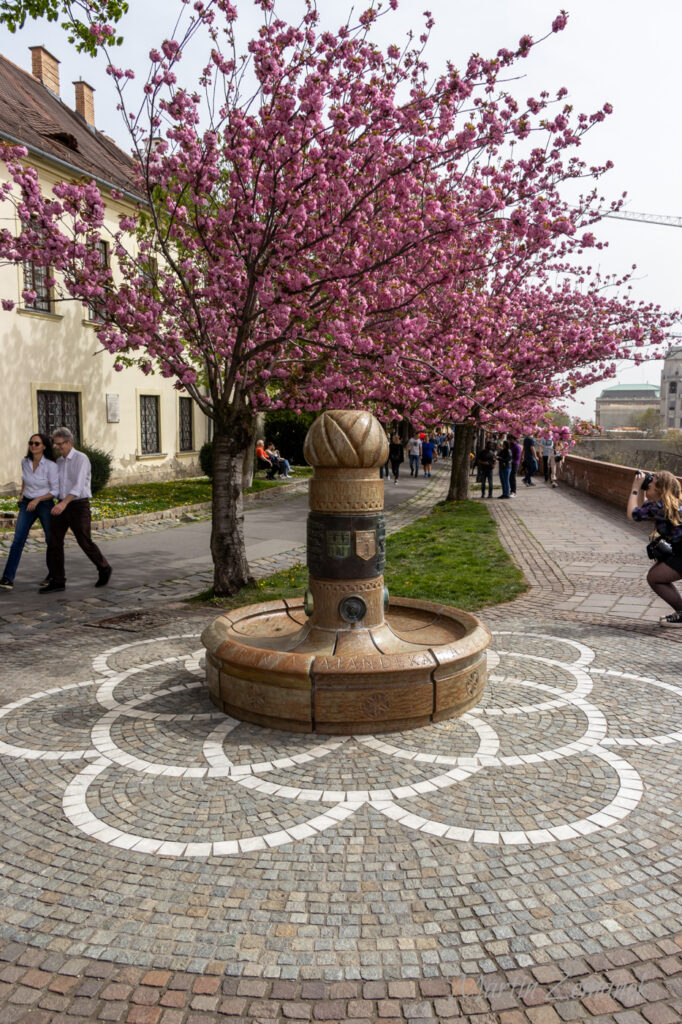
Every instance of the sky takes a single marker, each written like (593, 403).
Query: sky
(624, 53)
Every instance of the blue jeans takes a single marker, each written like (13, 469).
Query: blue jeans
(505, 472)
(414, 465)
(25, 521)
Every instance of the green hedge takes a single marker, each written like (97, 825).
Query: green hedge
(100, 463)
(206, 459)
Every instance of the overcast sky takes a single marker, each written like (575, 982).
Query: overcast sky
(626, 53)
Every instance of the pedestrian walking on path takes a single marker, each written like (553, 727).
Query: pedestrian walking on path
(414, 450)
(548, 469)
(427, 455)
(516, 452)
(396, 455)
(485, 462)
(39, 487)
(662, 504)
(530, 461)
(72, 510)
(504, 460)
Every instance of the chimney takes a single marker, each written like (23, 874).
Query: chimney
(85, 101)
(45, 68)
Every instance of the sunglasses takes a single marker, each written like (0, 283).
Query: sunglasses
(34, 444)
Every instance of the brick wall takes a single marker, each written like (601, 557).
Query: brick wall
(602, 479)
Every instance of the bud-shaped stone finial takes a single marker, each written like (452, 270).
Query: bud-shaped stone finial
(346, 438)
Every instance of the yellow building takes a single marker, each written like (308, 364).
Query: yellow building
(54, 371)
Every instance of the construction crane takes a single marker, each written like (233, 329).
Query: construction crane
(648, 218)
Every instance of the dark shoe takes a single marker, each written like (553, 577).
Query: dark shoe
(104, 577)
(52, 588)
(671, 620)
(6, 584)
(44, 583)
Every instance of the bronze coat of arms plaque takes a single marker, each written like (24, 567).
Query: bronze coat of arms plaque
(338, 543)
(366, 544)
(350, 547)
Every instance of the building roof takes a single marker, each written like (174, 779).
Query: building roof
(631, 390)
(32, 115)
(675, 351)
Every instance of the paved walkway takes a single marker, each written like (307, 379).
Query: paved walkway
(160, 864)
(167, 561)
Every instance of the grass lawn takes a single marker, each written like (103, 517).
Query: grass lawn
(452, 556)
(132, 499)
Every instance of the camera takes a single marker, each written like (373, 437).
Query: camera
(647, 481)
(659, 549)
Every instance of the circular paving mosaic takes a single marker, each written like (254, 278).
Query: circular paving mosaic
(130, 779)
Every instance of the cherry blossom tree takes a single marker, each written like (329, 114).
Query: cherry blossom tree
(527, 353)
(78, 15)
(330, 215)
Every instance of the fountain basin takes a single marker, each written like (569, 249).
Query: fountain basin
(271, 665)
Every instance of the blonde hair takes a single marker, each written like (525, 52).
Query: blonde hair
(670, 495)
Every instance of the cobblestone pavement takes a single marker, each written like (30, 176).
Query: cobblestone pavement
(163, 864)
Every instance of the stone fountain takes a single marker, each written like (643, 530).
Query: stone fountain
(343, 659)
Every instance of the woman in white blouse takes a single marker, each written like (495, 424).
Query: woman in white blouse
(39, 486)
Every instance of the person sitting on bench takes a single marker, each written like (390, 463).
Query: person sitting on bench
(264, 462)
(282, 465)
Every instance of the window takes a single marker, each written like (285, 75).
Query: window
(35, 279)
(59, 409)
(672, 387)
(95, 309)
(149, 424)
(186, 431)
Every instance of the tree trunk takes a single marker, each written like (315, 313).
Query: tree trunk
(247, 470)
(465, 434)
(230, 567)
(247, 465)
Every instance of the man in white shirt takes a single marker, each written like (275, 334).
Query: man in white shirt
(414, 451)
(547, 448)
(72, 510)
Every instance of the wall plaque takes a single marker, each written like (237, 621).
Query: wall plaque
(113, 409)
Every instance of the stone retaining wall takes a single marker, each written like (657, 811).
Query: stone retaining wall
(603, 480)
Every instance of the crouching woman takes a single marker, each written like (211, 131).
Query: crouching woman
(659, 498)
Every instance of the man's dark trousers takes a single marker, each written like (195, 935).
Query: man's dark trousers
(76, 516)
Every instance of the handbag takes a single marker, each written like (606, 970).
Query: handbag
(658, 549)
